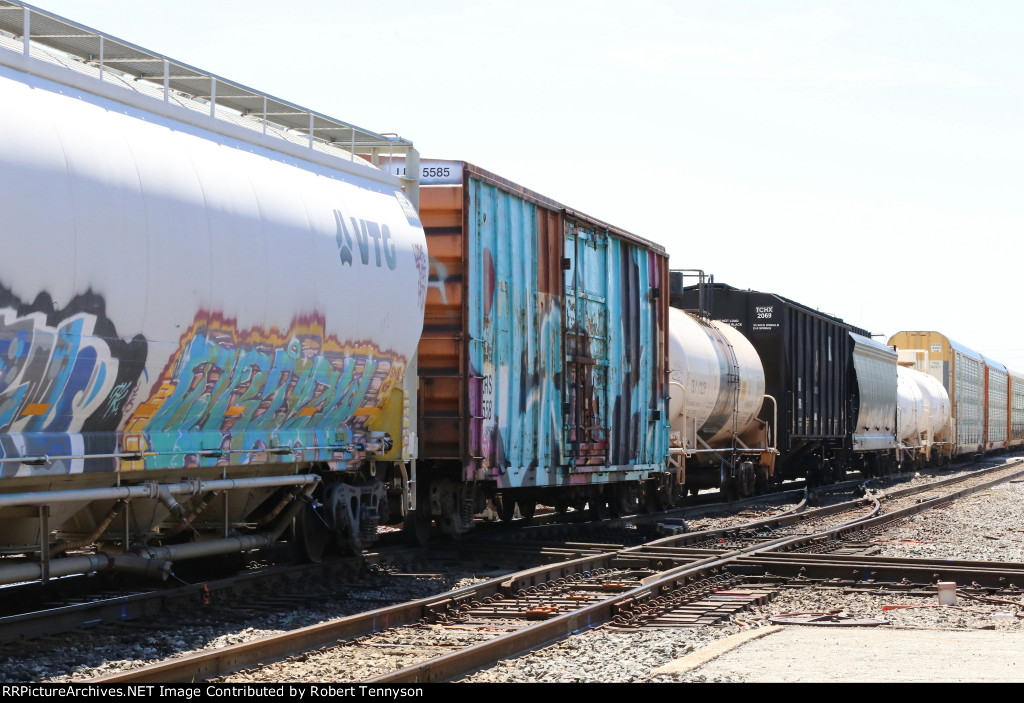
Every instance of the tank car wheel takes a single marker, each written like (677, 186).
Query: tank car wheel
(451, 527)
(727, 490)
(747, 479)
(350, 545)
(416, 528)
(761, 479)
(311, 534)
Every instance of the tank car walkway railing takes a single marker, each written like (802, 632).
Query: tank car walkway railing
(52, 39)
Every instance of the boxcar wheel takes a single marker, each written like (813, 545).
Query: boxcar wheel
(506, 507)
(527, 509)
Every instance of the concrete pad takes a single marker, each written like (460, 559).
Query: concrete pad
(809, 654)
(715, 649)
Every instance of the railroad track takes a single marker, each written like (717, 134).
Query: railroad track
(89, 601)
(656, 584)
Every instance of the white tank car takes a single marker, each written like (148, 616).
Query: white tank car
(180, 304)
(924, 414)
(716, 386)
(910, 405)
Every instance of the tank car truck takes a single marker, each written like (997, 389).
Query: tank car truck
(831, 388)
(210, 301)
(716, 391)
(543, 361)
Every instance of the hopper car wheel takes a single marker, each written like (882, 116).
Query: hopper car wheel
(888, 466)
(871, 465)
(311, 534)
(818, 472)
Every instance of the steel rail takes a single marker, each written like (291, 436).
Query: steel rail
(205, 665)
(878, 571)
(467, 660)
(459, 663)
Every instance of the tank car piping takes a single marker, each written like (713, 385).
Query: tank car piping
(156, 562)
(370, 448)
(152, 489)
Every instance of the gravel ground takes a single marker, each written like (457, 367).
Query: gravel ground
(607, 655)
(107, 649)
(599, 655)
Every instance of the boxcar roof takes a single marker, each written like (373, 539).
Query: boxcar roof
(546, 202)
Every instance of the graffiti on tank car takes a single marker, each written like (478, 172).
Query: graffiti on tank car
(50, 375)
(120, 393)
(371, 238)
(65, 376)
(230, 389)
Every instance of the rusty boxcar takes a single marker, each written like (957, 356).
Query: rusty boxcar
(542, 363)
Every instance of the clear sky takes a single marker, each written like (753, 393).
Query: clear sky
(863, 157)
